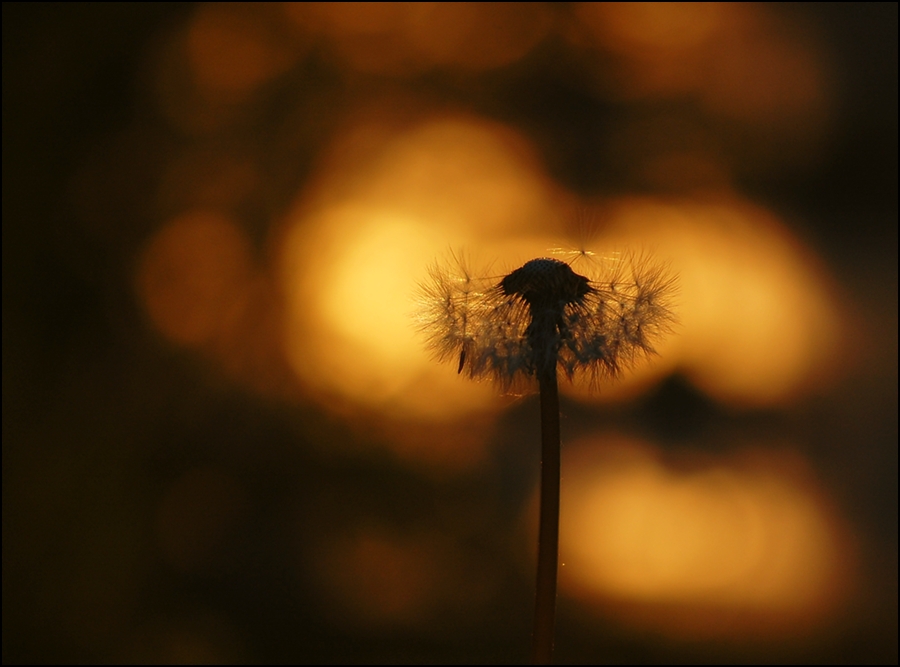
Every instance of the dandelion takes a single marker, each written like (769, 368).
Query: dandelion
(545, 316)
(524, 327)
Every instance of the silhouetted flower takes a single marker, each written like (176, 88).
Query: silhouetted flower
(544, 315)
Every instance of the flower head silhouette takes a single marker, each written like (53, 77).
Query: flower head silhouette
(539, 318)
(544, 316)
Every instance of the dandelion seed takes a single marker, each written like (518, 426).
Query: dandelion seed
(544, 315)
(524, 326)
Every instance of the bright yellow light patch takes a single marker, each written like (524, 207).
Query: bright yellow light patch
(757, 323)
(678, 546)
(350, 320)
(351, 264)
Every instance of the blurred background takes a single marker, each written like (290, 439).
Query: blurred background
(223, 440)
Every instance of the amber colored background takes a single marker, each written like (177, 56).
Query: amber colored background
(223, 440)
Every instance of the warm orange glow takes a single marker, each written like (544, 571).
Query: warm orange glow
(743, 62)
(763, 79)
(350, 268)
(757, 322)
(646, 28)
(405, 38)
(194, 275)
(350, 326)
(207, 178)
(198, 282)
(685, 548)
(233, 49)
(476, 35)
(661, 46)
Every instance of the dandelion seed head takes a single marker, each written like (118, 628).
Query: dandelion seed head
(544, 282)
(544, 316)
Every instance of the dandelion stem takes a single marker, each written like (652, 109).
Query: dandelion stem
(539, 318)
(548, 532)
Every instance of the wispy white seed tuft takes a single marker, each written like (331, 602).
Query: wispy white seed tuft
(545, 316)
